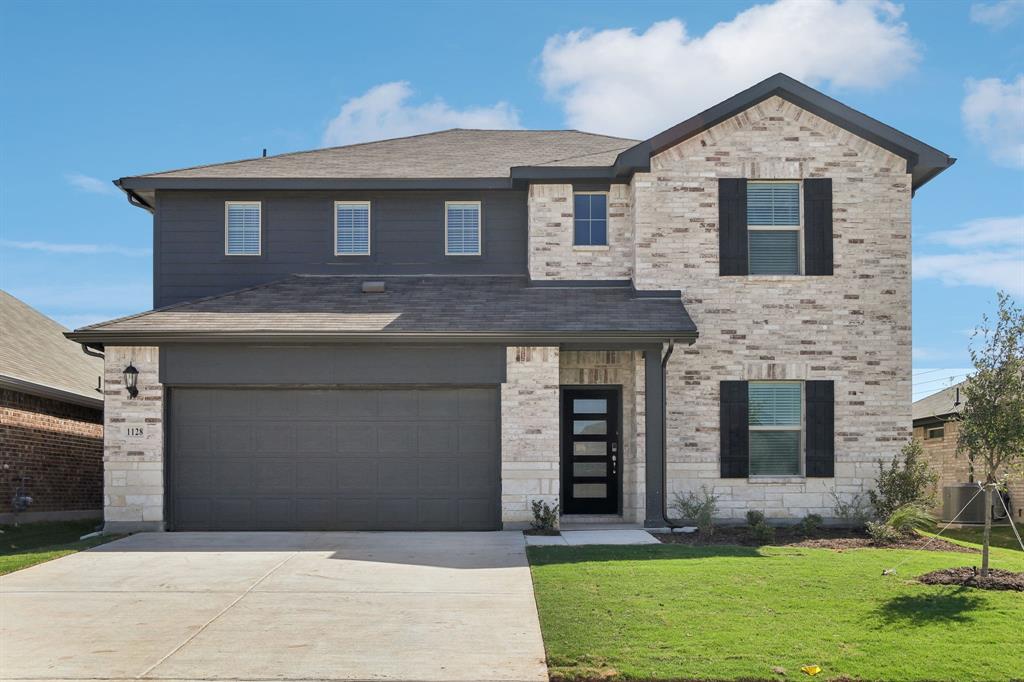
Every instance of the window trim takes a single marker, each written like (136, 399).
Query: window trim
(607, 212)
(799, 229)
(929, 429)
(369, 228)
(801, 448)
(259, 233)
(479, 230)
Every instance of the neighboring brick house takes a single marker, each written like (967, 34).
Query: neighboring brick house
(51, 418)
(432, 332)
(937, 427)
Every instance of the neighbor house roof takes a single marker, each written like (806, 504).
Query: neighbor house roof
(497, 159)
(941, 404)
(444, 308)
(36, 358)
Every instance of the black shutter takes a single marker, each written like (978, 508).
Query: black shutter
(735, 448)
(821, 438)
(818, 226)
(732, 226)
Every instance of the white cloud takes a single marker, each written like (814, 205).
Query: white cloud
(993, 112)
(87, 183)
(997, 14)
(1008, 231)
(622, 82)
(81, 249)
(384, 111)
(992, 269)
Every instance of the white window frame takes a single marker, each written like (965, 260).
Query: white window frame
(227, 206)
(799, 229)
(929, 429)
(801, 457)
(479, 231)
(607, 231)
(369, 227)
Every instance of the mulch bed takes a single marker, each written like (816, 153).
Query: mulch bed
(968, 576)
(541, 531)
(826, 538)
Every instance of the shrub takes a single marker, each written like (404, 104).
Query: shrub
(910, 518)
(755, 518)
(698, 508)
(763, 533)
(809, 525)
(881, 533)
(545, 517)
(853, 512)
(906, 480)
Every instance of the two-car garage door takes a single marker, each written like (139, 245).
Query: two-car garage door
(334, 459)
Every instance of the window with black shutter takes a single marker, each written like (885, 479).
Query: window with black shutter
(820, 407)
(735, 455)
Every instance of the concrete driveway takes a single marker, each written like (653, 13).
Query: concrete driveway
(292, 606)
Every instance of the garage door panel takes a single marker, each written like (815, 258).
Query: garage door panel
(338, 459)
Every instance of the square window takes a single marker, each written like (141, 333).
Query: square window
(242, 223)
(590, 219)
(462, 228)
(773, 228)
(775, 419)
(352, 228)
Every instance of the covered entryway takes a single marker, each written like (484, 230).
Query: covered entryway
(334, 458)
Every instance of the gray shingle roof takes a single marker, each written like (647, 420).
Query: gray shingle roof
(456, 153)
(33, 351)
(939, 404)
(428, 305)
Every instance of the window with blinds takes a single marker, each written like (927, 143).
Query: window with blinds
(462, 228)
(773, 228)
(352, 228)
(590, 219)
(775, 418)
(242, 228)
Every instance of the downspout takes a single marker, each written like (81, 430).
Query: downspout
(664, 430)
(90, 351)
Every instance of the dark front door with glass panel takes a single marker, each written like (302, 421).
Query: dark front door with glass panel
(590, 451)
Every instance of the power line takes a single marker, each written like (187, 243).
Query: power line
(932, 381)
(929, 371)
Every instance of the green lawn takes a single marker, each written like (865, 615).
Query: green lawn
(671, 612)
(1002, 536)
(34, 543)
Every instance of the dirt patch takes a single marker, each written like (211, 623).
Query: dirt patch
(836, 539)
(969, 576)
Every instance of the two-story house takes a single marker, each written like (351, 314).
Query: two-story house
(432, 332)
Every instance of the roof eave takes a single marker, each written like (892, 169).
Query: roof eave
(51, 392)
(151, 183)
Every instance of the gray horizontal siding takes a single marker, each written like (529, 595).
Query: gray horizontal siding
(407, 238)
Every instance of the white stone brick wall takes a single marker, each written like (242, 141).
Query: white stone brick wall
(133, 465)
(852, 327)
(625, 369)
(529, 432)
(552, 254)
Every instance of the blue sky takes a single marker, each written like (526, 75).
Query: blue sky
(91, 92)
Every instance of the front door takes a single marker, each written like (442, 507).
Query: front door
(590, 451)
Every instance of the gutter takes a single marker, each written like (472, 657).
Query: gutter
(664, 430)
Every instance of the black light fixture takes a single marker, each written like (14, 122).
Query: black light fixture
(131, 380)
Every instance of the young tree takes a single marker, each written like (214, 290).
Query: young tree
(992, 421)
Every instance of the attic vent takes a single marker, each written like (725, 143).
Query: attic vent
(373, 287)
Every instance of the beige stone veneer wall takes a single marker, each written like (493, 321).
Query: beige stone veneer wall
(623, 369)
(133, 465)
(853, 327)
(529, 432)
(552, 254)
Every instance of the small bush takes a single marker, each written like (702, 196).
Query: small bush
(809, 525)
(755, 518)
(545, 517)
(853, 512)
(698, 508)
(881, 533)
(910, 518)
(763, 533)
(907, 479)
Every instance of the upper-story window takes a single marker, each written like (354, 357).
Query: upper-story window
(773, 228)
(462, 228)
(590, 219)
(351, 228)
(242, 223)
(776, 427)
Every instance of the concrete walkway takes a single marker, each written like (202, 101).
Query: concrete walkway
(595, 537)
(291, 606)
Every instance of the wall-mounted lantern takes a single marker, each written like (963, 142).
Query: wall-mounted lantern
(131, 380)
